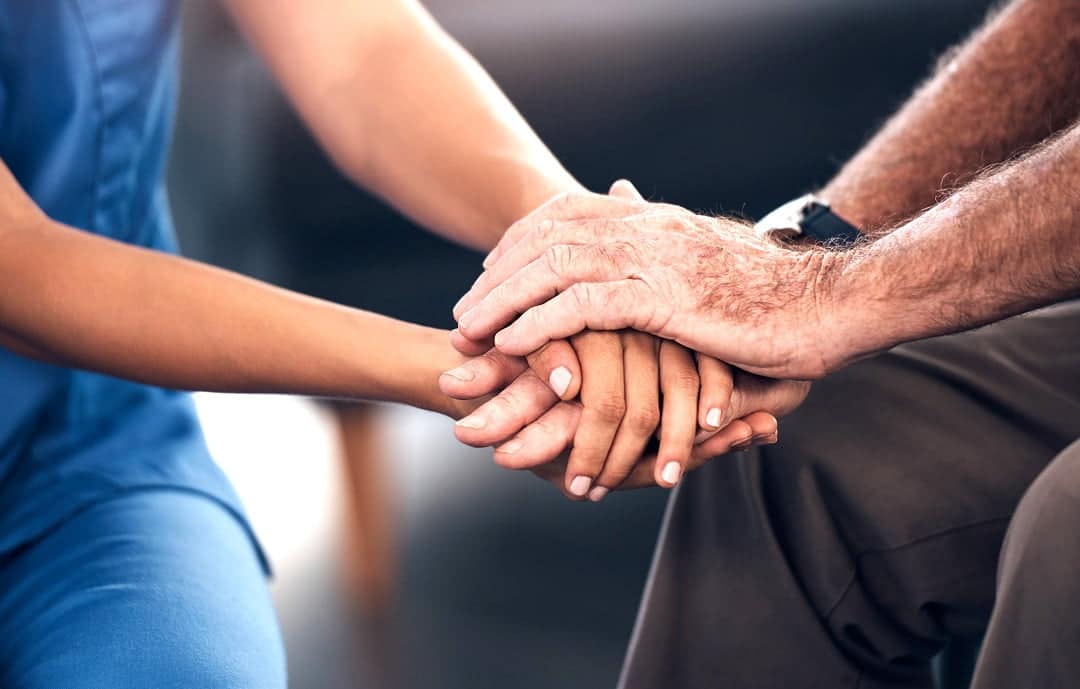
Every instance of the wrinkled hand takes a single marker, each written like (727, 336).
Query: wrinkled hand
(588, 261)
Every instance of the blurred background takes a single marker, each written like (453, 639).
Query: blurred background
(403, 559)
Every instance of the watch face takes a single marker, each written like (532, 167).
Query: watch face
(786, 221)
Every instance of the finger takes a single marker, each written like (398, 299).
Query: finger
(603, 401)
(624, 189)
(644, 474)
(722, 442)
(559, 267)
(543, 440)
(532, 246)
(562, 207)
(717, 380)
(765, 428)
(594, 306)
(495, 421)
(679, 383)
(736, 435)
(469, 347)
(557, 363)
(482, 375)
(553, 472)
(755, 393)
(642, 371)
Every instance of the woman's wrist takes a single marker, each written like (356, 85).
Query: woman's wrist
(419, 359)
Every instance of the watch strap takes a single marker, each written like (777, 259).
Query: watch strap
(824, 226)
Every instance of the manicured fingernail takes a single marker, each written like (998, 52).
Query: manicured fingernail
(461, 373)
(488, 260)
(713, 417)
(560, 380)
(671, 472)
(597, 494)
(510, 447)
(474, 421)
(580, 486)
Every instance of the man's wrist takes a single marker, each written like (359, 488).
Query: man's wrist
(841, 315)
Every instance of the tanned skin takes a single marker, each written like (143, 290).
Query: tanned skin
(1004, 244)
(1000, 246)
(1013, 84)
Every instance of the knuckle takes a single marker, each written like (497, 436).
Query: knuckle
(543, 230)
(503, 405)
(685, 380)
(619, 255)
(559, 258)
(643, 421)
(582, 295)
(609, 408)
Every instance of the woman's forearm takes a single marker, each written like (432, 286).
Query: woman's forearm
(88, 302)
(406, 113)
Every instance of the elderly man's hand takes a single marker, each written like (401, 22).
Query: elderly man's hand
(588, 261)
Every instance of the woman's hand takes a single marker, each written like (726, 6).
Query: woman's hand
(628, 388)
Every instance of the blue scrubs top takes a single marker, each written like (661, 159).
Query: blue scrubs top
(87, 90)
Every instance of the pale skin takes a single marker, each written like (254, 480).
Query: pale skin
(84, 301)
(466, 164)
(802, 314)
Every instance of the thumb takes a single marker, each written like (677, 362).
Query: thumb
(625, 189)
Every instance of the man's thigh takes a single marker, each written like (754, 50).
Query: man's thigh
(1034, 632)
(871, 532)
(152, 589)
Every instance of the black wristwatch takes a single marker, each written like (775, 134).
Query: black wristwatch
(807, 216)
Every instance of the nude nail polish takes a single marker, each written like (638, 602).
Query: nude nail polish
(560, 380)
(597, 494)
(713, 417)
(671, 473)
(580, 486)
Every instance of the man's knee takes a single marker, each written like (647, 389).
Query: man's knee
(1045, 521)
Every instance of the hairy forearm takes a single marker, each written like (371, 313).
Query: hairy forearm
(1014, 83)
(1006, 243)
(84, 301)
(407, 113)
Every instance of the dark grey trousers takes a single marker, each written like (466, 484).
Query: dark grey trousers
(930, 492)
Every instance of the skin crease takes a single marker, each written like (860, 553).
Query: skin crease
(827, 308)
(618, 419)
(183, 325)
(467, 165)
(960, 121)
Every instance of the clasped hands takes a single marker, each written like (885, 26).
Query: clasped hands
(611, 349)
